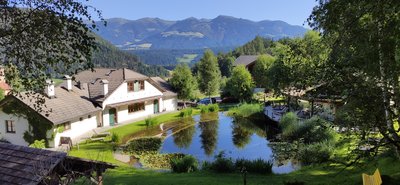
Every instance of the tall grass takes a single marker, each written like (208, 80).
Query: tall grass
(187, 112)
(184, 165)
(245, 110)
(150, 121)
(209, 108)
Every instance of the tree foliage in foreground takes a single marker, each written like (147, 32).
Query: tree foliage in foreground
(42, 39)
(364, 62)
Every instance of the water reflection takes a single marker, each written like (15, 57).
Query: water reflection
(206, 135)
(209, 135)
(240, 136)
(183, 133)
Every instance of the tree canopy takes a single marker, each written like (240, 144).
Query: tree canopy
(260, 70)
(43, 39)
(241, 84)
(209, 75)
(364, 64)
(183, 82)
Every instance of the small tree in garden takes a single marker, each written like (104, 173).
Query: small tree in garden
(183, 82)
(241, 84)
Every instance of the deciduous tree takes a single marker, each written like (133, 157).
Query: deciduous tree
(209, 75)
(241, 84)
(183, 82)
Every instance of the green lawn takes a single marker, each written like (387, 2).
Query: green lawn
(322, 174)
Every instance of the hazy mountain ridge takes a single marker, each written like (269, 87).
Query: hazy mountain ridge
(192, 33)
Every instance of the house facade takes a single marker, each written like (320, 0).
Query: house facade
(104, 97)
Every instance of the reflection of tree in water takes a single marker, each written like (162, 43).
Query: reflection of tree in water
(183, 133)
(240, 136)
(283, 152)
(209, 132)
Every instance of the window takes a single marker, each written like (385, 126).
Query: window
(141, 85)
(10, 126)
(130, 87)
(67, 126)
(136, 107)
(135, 86)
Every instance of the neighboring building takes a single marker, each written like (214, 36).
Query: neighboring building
(247, 60)
(104, 97)
(25, 165)
(3, 84)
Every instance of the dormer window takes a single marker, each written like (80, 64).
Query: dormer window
(135, 86)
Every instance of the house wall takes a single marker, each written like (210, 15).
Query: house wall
(78, 128)
(170, 104)
(21, 125)
(121, 94)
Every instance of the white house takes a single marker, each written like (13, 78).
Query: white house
(104, 97)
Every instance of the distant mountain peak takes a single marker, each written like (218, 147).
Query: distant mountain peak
(193, 33)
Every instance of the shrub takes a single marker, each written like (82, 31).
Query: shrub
(288, 119)
(295, 182)
(315, 153)
(115, 138)
(138, 146)
(222, 164)
(209, 108)
(186, 112)
(156, 160)
(184, 165)
(213, 107)
(203, 108)
(256, 166)
(245, 110)
(150, 121)
(38, 144)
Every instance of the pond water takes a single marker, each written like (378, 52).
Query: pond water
(205, 135)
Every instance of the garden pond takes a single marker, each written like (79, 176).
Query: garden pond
(206, 135)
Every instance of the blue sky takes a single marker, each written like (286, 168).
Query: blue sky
(291, 11)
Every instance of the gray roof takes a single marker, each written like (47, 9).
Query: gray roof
(25, 165)
(65, 106)
(169, 91)
(115, 78)
(21, 165)
(245, 60)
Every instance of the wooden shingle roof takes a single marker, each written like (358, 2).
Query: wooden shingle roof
(24, 165)
(245, 60)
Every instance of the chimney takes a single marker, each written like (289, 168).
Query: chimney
(105, 86)
(68, 80)
(50, 89)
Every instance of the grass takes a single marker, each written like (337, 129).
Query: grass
(245, 110)
(322, 174)
(186, 58)
(101, 151)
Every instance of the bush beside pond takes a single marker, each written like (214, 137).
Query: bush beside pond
(255, 166)
(184, 165)
(187, 112)
(138, 146)
(245, 110)
(158, 161)
(209, 108)
(315, 153)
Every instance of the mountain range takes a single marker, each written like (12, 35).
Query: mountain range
(192, 33)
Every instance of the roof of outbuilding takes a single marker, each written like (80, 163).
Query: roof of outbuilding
(25, 165)
(245, 60)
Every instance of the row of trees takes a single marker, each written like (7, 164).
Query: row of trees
(207, 78)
